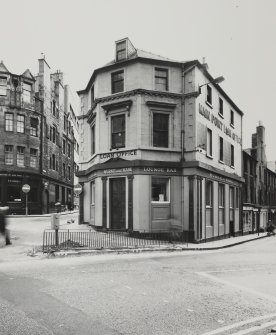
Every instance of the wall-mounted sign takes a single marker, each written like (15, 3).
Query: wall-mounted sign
(122, 170)
(205, 112)
(160, 170)
(117, 154)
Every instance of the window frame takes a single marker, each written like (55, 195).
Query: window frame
(119, 51)
(211, 195)
(160, 131)
(221, 204)
(20, 124)
(20, 156)
(220, 113)
(168, 189)
(33, 157)
(3, 86)
(114, 81)
(34, 130)
(221, 151)
(209, 97)
(166, 77)
(27, 93)
(8, 154)
(232, 155)
(9, 123)
(93, 143)
(209, 143)
(232, 118)
(112, 117)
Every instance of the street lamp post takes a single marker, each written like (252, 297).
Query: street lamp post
(217, 80)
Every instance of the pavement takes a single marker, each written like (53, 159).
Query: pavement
(27, 233)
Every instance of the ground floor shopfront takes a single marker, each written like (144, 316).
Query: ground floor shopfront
(256, 218)
(42, 197)
(162, 197)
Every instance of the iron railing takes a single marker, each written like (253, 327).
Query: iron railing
(90, 239)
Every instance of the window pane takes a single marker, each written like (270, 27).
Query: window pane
(209, 193)
(160, 130)
(161, 79)
(118, 131)
(9, 122)
(160, 189)
(20, 126)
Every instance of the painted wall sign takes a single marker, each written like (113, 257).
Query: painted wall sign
(117, 154)
(218, 123)
(162, 170)
(111, 171)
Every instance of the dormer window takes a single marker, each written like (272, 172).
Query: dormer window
(3, 86)
(121, 50)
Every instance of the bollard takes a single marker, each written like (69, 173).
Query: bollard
(55, 225)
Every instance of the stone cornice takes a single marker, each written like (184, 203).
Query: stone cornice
(127, 94)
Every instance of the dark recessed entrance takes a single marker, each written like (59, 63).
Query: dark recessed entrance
(117, 203)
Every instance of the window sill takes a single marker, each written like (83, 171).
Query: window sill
(221, 115)
(161, 202)
(209, 207)
(208, 104)
(209, 156)
(221, 162)
(232, 126)
(232, 166)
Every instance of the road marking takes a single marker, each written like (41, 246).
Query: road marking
(253, 329)
(241, 323)
(243, 288)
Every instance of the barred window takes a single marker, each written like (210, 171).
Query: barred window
(20, 156)
(8, 154)
(20, 124)
(33, 158)
(8, 121)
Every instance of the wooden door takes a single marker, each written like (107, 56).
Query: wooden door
(118, 203)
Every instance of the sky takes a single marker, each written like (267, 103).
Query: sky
(236, 37)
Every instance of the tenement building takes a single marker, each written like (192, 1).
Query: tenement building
(259, 195)
(160, 148)
(32, 128)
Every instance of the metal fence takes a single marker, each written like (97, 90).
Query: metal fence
(90, 239)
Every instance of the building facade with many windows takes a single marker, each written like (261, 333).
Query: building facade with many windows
(31, 133)
(158, 153)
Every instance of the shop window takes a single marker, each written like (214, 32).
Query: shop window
(27, 92)
(237, 198)
(221, 196)
(120, 50)
(209, 94)
(232, 118)
(221, 202)
(160, 130)
(117, 82)
(3, 86)
(221, 149)
(232, 155)
(14, 193)
(8, 154)
(161, 79)
(34, 127)
(92, 193)
(33, 158)
(33, 194)
(160, 189)
(209, 193)
(8, 122)
(231, 197)
(20, 156)
(20, 124)
(220, 107)
(118, 126)
(209, 142)
(93, 140)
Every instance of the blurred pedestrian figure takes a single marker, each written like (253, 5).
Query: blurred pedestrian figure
(3, 225)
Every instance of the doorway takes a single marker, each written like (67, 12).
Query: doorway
(117, 188)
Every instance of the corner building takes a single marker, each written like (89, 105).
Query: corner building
(158, 153)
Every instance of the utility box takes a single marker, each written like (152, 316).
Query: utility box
(55, 221)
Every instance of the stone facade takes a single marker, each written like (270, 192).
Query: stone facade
(145, 155)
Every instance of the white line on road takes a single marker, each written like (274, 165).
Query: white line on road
(241, 323)
(253, 329)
